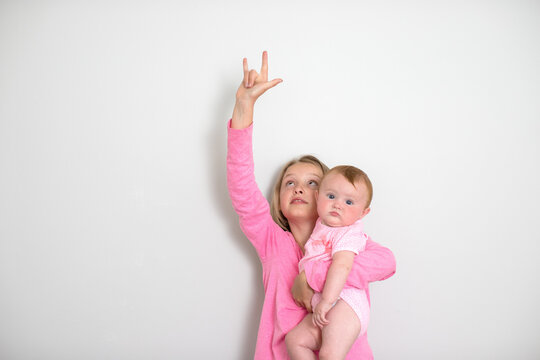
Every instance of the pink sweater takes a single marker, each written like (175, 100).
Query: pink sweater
(279, 254)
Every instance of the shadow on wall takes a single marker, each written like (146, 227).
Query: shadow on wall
(217, 139)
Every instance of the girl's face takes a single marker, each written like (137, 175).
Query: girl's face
(341, 203)
(297, 196)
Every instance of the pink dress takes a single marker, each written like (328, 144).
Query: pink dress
(323, 243)
(279, 254)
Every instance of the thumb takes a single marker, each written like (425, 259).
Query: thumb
(324, 319)
(261, 88)
(271, 84)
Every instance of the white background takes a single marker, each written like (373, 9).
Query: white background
(117, 237)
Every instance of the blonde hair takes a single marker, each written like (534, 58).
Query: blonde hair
(354, 175)
(275, 206)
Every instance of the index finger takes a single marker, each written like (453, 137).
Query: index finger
(246, 71)
(264, 66)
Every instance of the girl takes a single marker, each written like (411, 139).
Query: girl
(279, 235)
(343, 200)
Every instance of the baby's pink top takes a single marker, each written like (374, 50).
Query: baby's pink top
(325, 241)
(279, 254)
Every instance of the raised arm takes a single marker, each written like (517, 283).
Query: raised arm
(375, 263)
(248, 202)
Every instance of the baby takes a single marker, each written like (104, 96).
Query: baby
(340, 315)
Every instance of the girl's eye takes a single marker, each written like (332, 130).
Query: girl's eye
(348, 202)
(313, 183)
(331, 196)
(289, 183)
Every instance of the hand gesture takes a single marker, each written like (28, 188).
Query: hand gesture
(319, 313)
(255, 84)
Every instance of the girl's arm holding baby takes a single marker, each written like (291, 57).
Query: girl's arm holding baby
(375, 263)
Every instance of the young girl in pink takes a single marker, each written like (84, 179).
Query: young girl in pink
(279, 231)
(340, 315)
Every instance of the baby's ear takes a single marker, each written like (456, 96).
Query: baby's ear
(366, 211)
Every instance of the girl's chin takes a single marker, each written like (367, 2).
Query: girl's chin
(300, 216)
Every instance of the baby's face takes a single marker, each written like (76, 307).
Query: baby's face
(340, 203)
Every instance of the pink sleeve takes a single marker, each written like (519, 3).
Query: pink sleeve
(247, 200)
(353, 240)
(375, 263)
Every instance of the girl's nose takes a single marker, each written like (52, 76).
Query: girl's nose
(298, 190)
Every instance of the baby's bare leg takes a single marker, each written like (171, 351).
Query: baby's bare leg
(303, 340)
(341, 333)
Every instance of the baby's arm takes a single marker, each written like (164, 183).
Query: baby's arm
(335, 280)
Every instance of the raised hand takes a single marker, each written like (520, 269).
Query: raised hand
(255, 84)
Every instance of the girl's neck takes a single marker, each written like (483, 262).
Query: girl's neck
(301, 232)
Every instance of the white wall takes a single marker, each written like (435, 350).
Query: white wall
(117, 237)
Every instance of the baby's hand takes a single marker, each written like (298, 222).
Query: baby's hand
(319, 313)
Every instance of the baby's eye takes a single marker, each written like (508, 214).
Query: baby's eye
(349, 202)
(331, 196)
